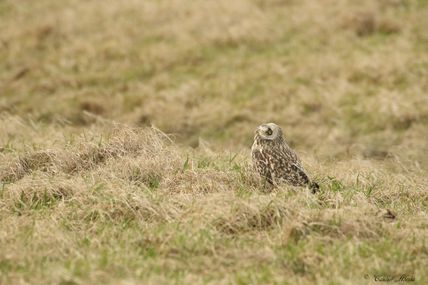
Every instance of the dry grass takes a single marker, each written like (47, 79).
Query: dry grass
(91, 193)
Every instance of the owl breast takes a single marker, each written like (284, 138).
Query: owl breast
(277, 163)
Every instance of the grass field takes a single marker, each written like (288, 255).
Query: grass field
(126, 127)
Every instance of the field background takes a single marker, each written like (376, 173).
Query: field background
(90, 193)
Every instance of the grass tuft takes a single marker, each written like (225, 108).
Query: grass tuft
(125, 132)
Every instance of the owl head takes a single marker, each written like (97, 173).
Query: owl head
(269, 131)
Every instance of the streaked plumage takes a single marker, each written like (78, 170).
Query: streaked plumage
(275, 161)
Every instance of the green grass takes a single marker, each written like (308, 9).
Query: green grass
(92, 192)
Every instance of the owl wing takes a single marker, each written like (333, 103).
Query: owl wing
(300, 176)
(293, 174)
(292, 155)
(292, 170)
(261, 165)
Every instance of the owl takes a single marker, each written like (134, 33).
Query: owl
(275, 161)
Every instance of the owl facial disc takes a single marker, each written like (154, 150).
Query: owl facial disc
(269, 131)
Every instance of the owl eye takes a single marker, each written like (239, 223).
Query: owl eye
(269, 132)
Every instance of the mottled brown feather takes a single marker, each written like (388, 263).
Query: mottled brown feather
(276, 162)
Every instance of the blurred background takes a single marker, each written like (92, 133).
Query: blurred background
(343, 78)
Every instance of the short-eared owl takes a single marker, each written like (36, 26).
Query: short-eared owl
(275, 161)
